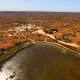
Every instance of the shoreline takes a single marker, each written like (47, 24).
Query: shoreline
(14, 50)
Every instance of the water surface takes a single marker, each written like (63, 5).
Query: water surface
(41, 62)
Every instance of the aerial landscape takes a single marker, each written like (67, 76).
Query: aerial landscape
(40, 40)
(22, 27)
(19, 30)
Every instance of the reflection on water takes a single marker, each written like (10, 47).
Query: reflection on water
(8, 71)
(41, 62)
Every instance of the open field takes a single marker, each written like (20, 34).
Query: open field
(18, 27)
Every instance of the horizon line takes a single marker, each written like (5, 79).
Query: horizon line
(39, 11)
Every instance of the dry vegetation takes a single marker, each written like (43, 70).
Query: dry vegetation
(64, 26)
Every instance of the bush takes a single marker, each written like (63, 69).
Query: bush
(18, 43)
(50, 31)
(67, 38)
(2, 49)
(55, 29)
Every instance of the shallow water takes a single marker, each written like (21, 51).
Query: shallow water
(41, 62)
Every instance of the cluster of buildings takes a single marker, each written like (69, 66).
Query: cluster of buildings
(16, 34)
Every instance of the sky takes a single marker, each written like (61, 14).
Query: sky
(40, 5)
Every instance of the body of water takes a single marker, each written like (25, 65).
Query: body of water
(42, 61)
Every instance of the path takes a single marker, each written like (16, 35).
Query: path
(53, 37)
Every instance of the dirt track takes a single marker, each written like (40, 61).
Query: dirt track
(52, 37)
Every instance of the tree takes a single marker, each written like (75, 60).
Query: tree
(51, 30)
